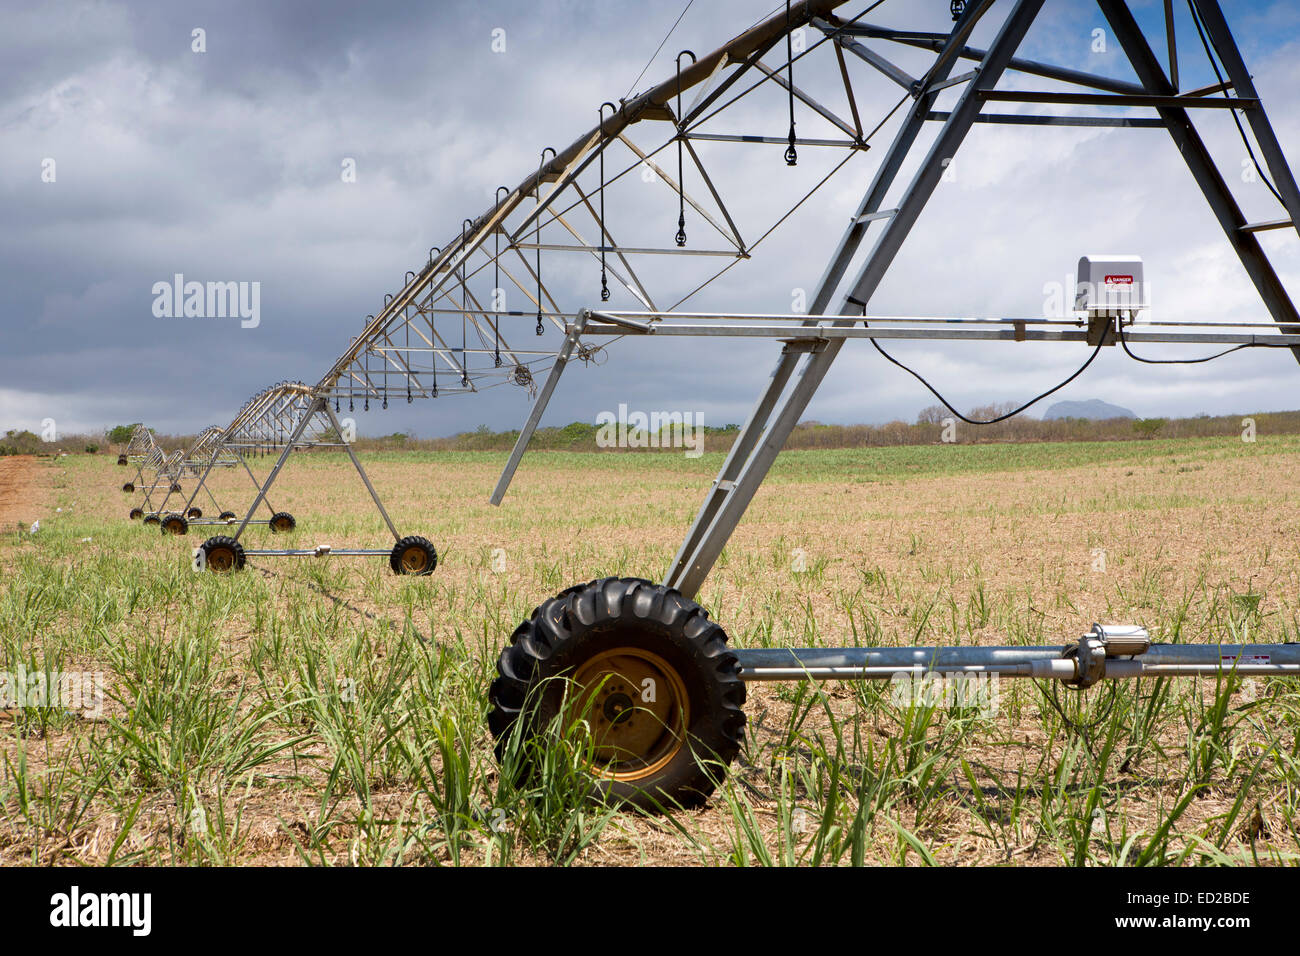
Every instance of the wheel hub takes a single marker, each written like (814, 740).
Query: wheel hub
(636, 705)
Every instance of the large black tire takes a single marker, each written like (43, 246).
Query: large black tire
(609, 635)
(121, 459)
(152, 519)
(281, 523)
(176, 487)
(413, 555)
(194, 512)
(222, 555)
(175, 524)
(226, 516)
(129, 487)
(136, 514)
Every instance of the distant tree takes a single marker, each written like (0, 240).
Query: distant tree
(1147, 427)
(932, 415)
(20, 443)
(984, 413)
(122, 433)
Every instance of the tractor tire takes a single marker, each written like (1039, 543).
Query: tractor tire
(175, 524)
(194, 513)
(129, 487)
(152, 519)
(281, 523)
(222, 555)
(176, 487)
(121, 459)
(413, 555)
(618, 639)
(226, 516)
(136, 514)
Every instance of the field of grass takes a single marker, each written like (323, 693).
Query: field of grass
(309, 711)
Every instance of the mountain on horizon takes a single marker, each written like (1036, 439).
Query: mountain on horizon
(1094, 409)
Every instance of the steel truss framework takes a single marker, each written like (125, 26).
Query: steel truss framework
(261, 426)
(166, 468)
(142, 451)
(838, 308)
(190, 463)
(409, 349)
(287, 417)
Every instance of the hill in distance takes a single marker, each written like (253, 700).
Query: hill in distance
(1094, 410)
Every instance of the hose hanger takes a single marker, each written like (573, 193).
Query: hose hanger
(366, 354)
(433, 330)
(791, 156)
(604, 235)
(681, 135)
(387, 299)
(464, 303)
(496, 281)
(537, 236)
(406, 326)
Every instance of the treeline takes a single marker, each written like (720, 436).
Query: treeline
(934, 425)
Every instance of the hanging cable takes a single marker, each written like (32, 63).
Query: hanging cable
(366, 355)
(975, 421)
(604, 236)
(1196, 20)
(387, 299)
(662, 42)
(433, 326)
(681, 136)
(464, 304)
(1197, 361)
(541, 329)
(497, 292)
(791, 156)
(406, 327)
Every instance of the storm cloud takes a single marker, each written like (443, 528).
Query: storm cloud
(224, 165)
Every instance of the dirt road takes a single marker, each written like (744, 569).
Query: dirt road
(24, 486)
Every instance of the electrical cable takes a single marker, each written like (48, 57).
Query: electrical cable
(1196, 361)
(975, 421)
(1196, 21)
(657, 49)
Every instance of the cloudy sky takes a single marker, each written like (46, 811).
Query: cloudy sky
(225, 165)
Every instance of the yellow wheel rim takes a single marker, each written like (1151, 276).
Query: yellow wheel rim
(636, 706)
(220, 559)
(414, 559)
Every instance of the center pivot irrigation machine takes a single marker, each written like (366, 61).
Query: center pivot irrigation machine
(292, 416)
(258, 427)
(615, 637)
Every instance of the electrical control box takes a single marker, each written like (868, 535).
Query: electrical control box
(1110, 287)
